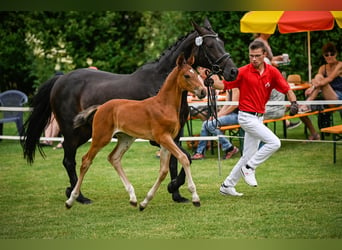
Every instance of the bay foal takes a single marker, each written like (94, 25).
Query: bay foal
(155, 118)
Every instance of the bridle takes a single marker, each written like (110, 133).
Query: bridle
(215, 66)
(215, 70)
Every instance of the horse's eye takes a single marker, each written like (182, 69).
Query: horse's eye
(187, 76)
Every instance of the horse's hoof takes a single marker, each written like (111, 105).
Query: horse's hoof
(133, 203)
(176, 197)
(196, 203)
(83, 200)
(141, 208)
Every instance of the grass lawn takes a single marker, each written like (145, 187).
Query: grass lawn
(298, 197)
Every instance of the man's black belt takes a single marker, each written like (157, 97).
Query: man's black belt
(253, 113)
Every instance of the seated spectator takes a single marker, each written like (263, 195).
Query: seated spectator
(226, 116)
(51, 130)
(328, 82)
(278, 111)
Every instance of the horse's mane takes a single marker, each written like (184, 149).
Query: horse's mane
(168, 51)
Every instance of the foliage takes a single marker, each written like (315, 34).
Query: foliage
(36, 44)
(15, 63)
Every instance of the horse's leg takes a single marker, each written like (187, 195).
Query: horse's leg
(123, 144)
(164, 169)
(86, 162)
(177, 180)
(184, 160)
(69, 164)
(101, 137)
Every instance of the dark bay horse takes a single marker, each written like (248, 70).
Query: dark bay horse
(158, 121)
(71, 93)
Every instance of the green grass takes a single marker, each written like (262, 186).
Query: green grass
(298, 197)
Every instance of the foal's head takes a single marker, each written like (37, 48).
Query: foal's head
(188, 78)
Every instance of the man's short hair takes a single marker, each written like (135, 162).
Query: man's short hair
(257, 45)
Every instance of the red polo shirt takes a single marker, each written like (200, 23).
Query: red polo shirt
(255, 89)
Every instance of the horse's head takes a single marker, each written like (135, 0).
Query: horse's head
(211, 53)
(188, 79)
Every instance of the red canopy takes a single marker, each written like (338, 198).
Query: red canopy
(290, 22)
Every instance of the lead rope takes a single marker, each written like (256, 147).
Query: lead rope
(211, 101)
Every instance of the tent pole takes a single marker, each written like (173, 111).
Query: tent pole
(309, 57)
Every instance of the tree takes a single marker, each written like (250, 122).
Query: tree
(15, 70)
(37, 44)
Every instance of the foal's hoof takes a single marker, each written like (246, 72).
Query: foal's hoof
(133, 203)
(141, 208)
(81, 199)
(196, 203)
(67, 205)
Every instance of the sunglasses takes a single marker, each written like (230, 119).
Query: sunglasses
(329, 54)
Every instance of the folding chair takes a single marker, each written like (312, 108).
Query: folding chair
(12, 98)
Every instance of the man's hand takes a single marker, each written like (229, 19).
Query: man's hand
(208, 82)
(294, 108)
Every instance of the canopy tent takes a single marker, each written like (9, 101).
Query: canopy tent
(290, 22)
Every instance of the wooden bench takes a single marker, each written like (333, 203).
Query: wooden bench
(336, 131)
(285, 117)
(239, 132)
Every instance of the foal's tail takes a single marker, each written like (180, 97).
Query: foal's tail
(85, 116)
(37, 120)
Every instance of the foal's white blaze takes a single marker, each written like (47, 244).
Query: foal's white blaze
(200, 78)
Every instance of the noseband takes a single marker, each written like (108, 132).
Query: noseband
(215, 66)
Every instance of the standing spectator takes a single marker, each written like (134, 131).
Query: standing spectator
(274, 111)
(255, 82)
(269, 58)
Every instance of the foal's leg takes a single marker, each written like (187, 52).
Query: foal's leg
(124, 143)
(164, 169)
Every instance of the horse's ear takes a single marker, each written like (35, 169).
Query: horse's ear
(191, 60)
(207, 24)
(181, 60)
(196, 26)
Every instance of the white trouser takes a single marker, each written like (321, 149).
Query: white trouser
(255, 132)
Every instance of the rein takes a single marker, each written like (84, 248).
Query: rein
(211, 102)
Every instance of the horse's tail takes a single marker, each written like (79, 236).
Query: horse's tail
(37, 121)
(85, 116)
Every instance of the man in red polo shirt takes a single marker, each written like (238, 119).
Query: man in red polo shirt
(255, 81)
